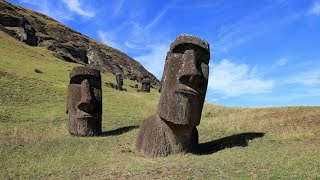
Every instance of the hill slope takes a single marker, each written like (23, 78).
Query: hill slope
(37, 29)
(236, 143)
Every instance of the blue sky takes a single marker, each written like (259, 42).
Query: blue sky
(263, 53)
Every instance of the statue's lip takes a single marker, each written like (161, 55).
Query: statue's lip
(187, 90)
(85, 115)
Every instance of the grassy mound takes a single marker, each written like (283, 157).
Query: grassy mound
(239, 143)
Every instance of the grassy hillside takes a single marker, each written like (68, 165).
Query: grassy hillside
(236, 143)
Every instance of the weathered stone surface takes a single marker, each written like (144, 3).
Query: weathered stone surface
(23, 31)
(11, 20)
(84, 103)
(133, 77)
(145, 87)
(28, 35)
(119, 80)
(183, 89)
(37, 29)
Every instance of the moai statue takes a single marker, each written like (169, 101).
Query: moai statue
(119, 79)
(136, 86)
(84, 103)
(183, 88)
(145, 85)
(133, 77)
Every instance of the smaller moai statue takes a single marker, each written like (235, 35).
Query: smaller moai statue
(84, 103)
(145, 85)
(133, 78)
(119, 79)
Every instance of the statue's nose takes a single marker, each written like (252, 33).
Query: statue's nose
(86, 102)
(191, 61)
(190, 74)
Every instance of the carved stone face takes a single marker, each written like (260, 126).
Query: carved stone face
(119, 79)
(145, 84)
(84, 101)
(184, 81)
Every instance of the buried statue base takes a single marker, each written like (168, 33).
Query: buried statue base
(161, 138)
(84, 127)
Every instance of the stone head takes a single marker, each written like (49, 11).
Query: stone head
(146, 80)
(146, 84)
(85, 95)
(119, 78)
(184, 81)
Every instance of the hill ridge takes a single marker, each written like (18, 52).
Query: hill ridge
(37, 29)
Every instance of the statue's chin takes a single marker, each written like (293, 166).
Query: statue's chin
(88, 118)
(85, 116)
(178, 114)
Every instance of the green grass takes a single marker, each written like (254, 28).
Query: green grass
(35, 144)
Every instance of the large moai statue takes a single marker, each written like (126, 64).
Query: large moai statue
(145, 84)
(119, 79)
(183, 88)
(84, 103)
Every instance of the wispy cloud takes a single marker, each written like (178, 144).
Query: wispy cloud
(107, 39)
(50, 9)
(315, 9)
(308, 78)
(154, 60)
(75, 6)
(157, 18)
(118, 7)
(282, 62)
(197, 5)
(230, 79)
(235, 34)
(131, 45)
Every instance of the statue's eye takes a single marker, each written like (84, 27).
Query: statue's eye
(205, 70)
(77, 79)
(202, 54)
(94, 81)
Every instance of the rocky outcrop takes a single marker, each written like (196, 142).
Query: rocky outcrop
(36, 29)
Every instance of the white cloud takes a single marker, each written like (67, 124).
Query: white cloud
(197, 5)
(75, 6)
(155, 59)
(132, 45)
(230, 79)
(106, 38)
(157, 18)
(282, 62)
(309, 78)
(162, 13)
(315, 9)
(47, 7)
(248, 27)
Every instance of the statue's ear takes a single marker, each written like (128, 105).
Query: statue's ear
(67, 105)
(159, 89)
(164, 73)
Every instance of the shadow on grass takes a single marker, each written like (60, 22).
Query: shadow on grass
(227, 142)
(119, 131)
